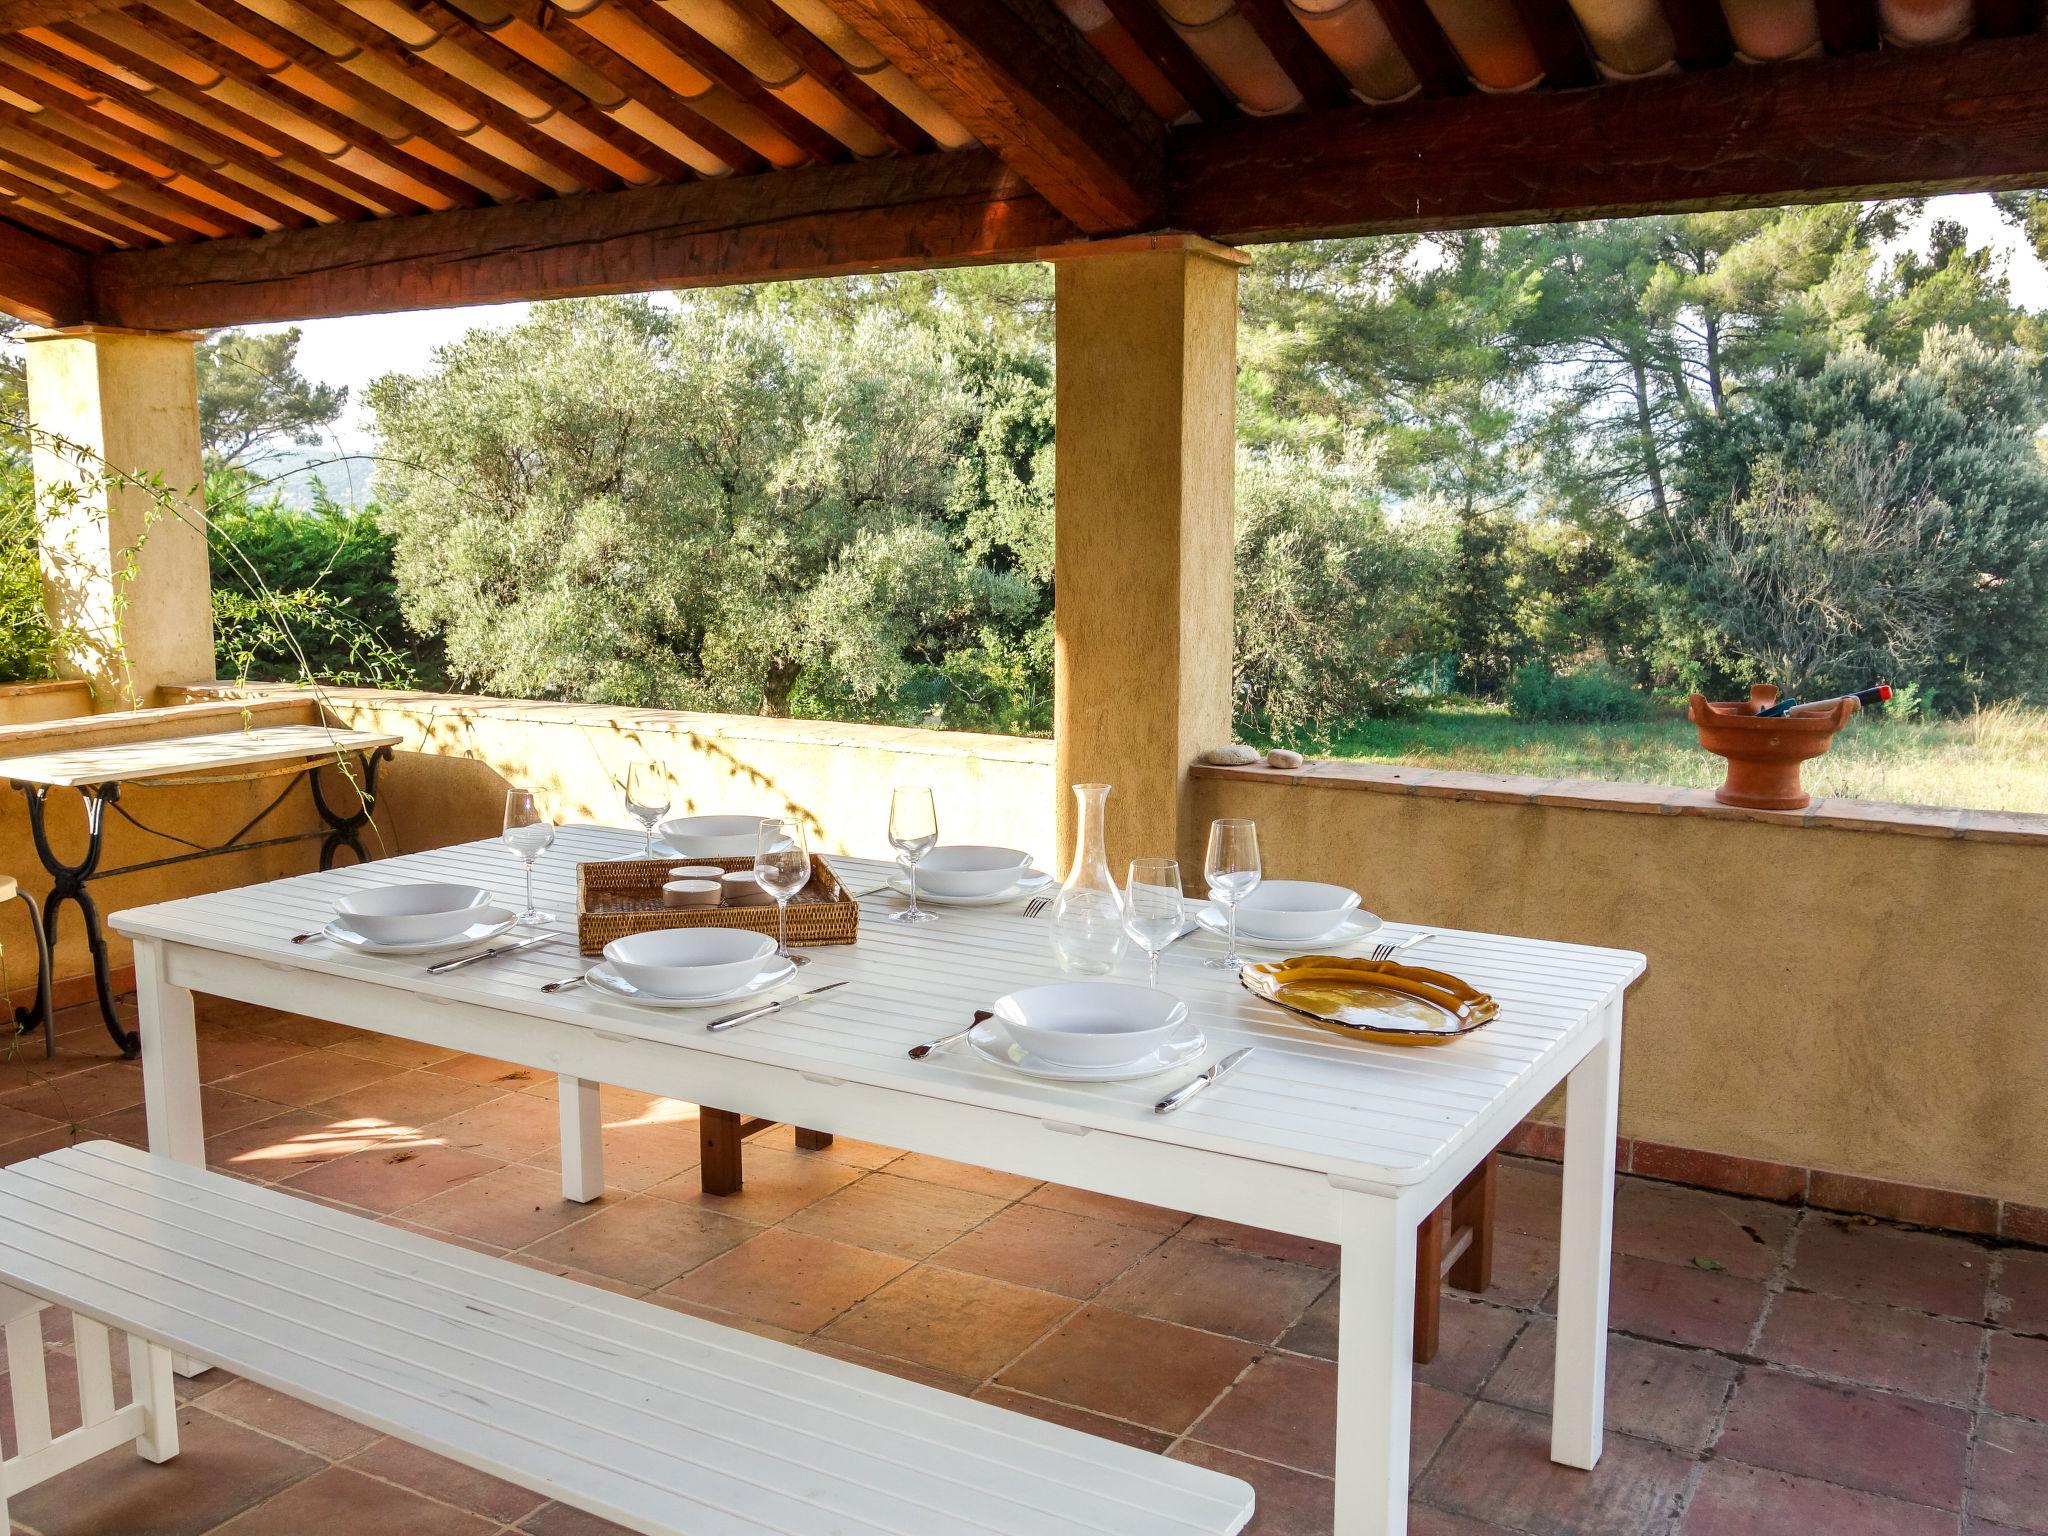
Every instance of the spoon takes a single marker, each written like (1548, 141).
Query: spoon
(919, 1052)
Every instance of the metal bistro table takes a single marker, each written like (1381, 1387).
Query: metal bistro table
(287, 752)
(1328, 1139)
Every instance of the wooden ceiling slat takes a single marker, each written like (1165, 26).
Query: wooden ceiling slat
(44, 219)
(1699, 29)
(423, 125)
(1560, 44)
(129, 222)
(1422, 43)
(156, 147)
(66, 214)
(41, 280)
(650, 93)
(375, 42)
(282, 155)
(138, 188)
(19, 15)
(395, 157)
(1170, 53)
(835, 75)
(2008, 18)
(1320, 82)
(720, 67)
(530, 77)
(1848, 26)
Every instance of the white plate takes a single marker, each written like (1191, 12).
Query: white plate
(991, 1044)
(602, 978)
(1033, 881)
(475, 933)
(1353, 928)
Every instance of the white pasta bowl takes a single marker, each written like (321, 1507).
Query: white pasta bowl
(712, 837)
(1089, 1023)
(1288, 910)
(689, 962)
(971, 869)
(410, 914)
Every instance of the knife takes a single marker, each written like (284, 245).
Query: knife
(767, 1008)
(1187, 1091)
(490, 954)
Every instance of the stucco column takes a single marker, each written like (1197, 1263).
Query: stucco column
(115, 419)
(1146, 401)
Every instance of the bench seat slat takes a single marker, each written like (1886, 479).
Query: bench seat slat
(662, 1422)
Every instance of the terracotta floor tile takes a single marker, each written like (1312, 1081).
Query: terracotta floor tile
(1654, 1391)
(1316, 1333)
(410, 1098)
(1875, 1441)
(1524, 1268)
(1529, 1196)
(17, 1123)
(891, 1215)
(338, 1502)
(1076, 1418)
(309, 1077)
(489, 1072)
(1867, 1262)
(1283, 1409)
(1882, 1346)
(2009, 1472)
(644, 1241)
(72, 1098)
(313, 1034)
(1472, 1339)
(725, 1319)
(793, 1281)
(561, 1520)
(1290, 1503)
(1258, 1241)
(287, 1144)
(509, 1207)
(644, 1154)
(850, 1150)
(326, 1435)
(224, 1056)
(396, 1052)
(890, 1365)
(951, 1321)
(1425, 1521)
(2016, 1381)
(1735, 1500)
(448, 1481)
(1049, 1250)
(1978, 1526)
(220, 1470)
(1677, 1226)
(511, 1127)
(1683, 1305)
(219, 1111)
(454, 1239)
(580, 1276)
(1496, 1467)
(1217, 1289)
(1432, 1414)
(2020, 1290)
(777, 1185)
(1129, 1213)
(391, 1178)
(980, 1181)
(1136, 1368)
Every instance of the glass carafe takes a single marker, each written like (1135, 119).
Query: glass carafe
(1088, 915)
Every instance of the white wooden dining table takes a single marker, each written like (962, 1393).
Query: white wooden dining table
(1316, 1136)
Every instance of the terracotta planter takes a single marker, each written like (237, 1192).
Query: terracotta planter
(1764, 755)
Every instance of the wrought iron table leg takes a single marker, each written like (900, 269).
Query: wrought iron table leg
(67, 883)
(44, 1011)
(345, 831)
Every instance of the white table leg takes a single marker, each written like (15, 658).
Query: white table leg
(1375, 1348)
(1592, 1095)
(582, 1138)
(170, 1084)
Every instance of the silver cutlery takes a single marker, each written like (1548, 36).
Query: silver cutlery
(307, 938)
(561, 983)
(1388, 951)
(1223, 1068)
(919, 1052)
(1036, 905)
(489, 954)
(767, 1008)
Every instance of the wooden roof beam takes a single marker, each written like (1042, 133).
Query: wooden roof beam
(1019, 76)
(1170, 53)
(40, 280)
(837, 77)
(1320, 82)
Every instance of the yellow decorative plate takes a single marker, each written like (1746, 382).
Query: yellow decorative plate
(1380, 1000)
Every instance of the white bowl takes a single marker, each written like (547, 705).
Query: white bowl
(712, 837)
(1089, 1023)
(410, 914)
(969, 869)
(689, 962)
(1293, 909)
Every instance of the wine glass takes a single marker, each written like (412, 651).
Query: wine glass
(1232, 870)
(914, 832)
(649, 789)
(1153, 910)
(782, 867)
(528, 833)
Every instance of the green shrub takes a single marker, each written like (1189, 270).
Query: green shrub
(25, 640)
(1538, 693)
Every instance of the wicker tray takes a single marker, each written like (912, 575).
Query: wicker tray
(616, 898)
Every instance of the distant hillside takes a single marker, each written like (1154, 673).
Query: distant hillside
(294, 472)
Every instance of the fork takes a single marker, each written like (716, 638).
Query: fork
(1036, 905)
(1388, 951)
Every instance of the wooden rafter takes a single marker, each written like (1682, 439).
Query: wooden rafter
(836, 77)
(867, 216)
(1699, 28)
(1422, 43)
(1961, 116)
(1320, 82)
(42, 218)
(1018, 76)
(1559, 43)
(19, 15)
(1847, 26)
(105, 210)
(41, 280)
(1169, 52)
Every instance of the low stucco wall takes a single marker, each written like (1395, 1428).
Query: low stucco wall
(58, 699)
(1862, 988)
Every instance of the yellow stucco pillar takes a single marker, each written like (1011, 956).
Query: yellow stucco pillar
(115, 419)
(1146, 398)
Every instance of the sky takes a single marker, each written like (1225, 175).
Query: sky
(353, 351)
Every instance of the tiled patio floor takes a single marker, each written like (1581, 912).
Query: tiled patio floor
(1773, 1372)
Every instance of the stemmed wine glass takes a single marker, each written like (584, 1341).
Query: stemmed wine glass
(782, 867)
(914, 832)
(649, 789)
(1232, 869)
(528, 833)
(1153, 910)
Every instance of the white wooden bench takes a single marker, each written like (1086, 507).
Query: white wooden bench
(659, 1421)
